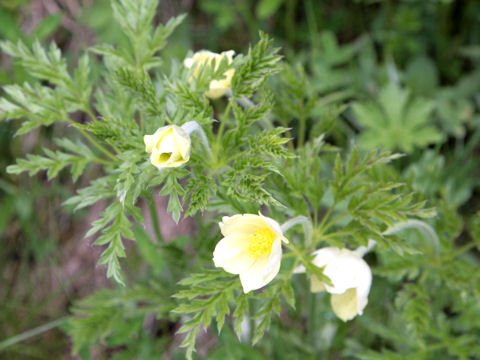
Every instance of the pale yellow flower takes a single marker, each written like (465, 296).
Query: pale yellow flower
(169, 145)
(251, 247)
(351, 279)
(217, 88)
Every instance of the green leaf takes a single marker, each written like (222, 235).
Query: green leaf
(260, 63)
(266, 8)
(395, 122)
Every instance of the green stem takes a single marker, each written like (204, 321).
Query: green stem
(290, 22)
(301, 131)
(31, 333)
(100, 161)
(331, 222)
(312, 26)
(96, 144)
(325, 218)
(312, 322)
(336, 233)
(251, 313)
(221, 129)
(88, 136)
(305, 222)
(141, 122)
(153, 215)
(461, 250)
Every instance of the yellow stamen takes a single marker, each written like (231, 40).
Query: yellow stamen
(260, 243)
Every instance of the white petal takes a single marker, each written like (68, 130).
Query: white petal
(166, 144)
(325, 256)
(253, 279)
(274, 226)
(316, 285)
(274, 261)
(241, 224)
(237, 264)
(300, 269)
(229, 247)
(149, 141)
(263, 270)
(345, 305)
(217, 89)
(348, 271)
(182, 142)
(229, 55)
(188, 62)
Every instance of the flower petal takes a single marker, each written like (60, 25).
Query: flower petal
(263, 270)
(229, 247)
(243, 224)
(348, 271)
(253, 279)
(274, 261)
(149, 141)
(345, 305)
(274, 226)
(182, 142)
(325, 256)
(237, 264)
(316, 285)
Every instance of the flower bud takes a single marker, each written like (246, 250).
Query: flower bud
(169, 146)
(351, 279)
(217, 88)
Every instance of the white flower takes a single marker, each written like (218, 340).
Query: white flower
(251, 247)
(217, 88)
(351, 279)
(169, 145)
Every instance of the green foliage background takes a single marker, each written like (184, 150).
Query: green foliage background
(320, 110)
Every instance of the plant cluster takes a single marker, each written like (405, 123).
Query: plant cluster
(279, 169)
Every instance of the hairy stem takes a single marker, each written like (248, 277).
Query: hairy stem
(32, 332)
(153, 215)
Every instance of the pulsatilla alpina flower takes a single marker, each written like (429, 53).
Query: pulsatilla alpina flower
(351, 279)
(169, 145)
(251, 247)
(217, 88)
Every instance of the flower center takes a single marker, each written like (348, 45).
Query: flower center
(260, 243)
(164, 157)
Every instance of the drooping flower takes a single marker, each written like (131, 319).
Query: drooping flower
(251, 247)
(217, 88)
(351, 278)
(169, 145)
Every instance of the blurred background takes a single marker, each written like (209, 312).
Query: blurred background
(343, 49)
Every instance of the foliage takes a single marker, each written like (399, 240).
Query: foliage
(395, 122)
(283, 142)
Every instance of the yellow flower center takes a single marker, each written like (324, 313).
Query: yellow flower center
(260, 243)
(164, 157)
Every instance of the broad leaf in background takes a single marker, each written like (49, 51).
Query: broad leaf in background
(396, 122)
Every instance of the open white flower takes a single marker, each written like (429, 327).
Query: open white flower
(351, 279)
(217, 88)
(251, 247)
(169, 145)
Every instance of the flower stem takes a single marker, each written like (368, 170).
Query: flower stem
(192, 126)
(89, 137)
(305, 222)
(31, 333)
(421, 226)
(461, 250)
(312, 321)
(153, 215)
(96, 144)
(222, 127)
(301, 131)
